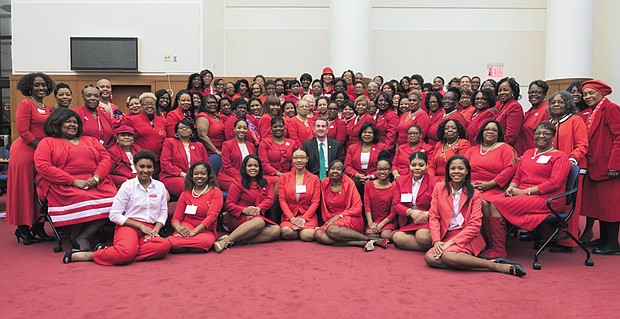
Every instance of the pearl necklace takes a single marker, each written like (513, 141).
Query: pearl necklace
(543, 152)
(482, 152)
(195, 194)
(450, 145)
(40, 104)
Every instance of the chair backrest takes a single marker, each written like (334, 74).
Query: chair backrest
(216, 163)
(572, 182)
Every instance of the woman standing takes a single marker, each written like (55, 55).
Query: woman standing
(403, 152)
(452, 139)
(195, 83)
(300, 127)
(509, 110)
(181, 109)
(240, 109)
(276, 151)
(234, 151)
(361, 117)
(577, 95)
(435, 115)
(336, 127)
(149, 127)
(484, 101)
(162, 102)
(361, 158)
(387, 120)
(538, 113)
(209, 126)
(415, 116)
(95, 122)
(63, 95)
(133, 105)
(271, 109)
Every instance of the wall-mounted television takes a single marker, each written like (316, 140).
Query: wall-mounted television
(104, 54)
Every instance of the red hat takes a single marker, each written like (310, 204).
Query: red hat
(598, 86)
(125, 129)
(327, 70)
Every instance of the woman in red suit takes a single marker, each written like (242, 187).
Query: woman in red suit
(233, 153)
(240, 109)
(195, 216)
(341, 207)
(300, 127)
(484, 101)
(452, 139)
(509, 110)
(21, 204)
(415, 116)
(603, 174)
(276, 151)
(210, 126)
(72, 175)
(139, 212)
(378, 201)
(247, 202)
(435, 114)
(536, 114)
(321, 107)
(412, 200)
(336, 127)
(122, 156)
(271, 108)
(455, 218)
(149, 127)
(541, 173)
(181, 109)
(387, 120)
(361, 117)
(403, 152)
(178, 154)
(361, 159)
(96, 122)
(299, 194)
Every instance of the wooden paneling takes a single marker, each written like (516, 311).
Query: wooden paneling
(561, 84)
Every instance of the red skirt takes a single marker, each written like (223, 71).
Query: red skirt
(312, 223)
(389, 226)
(354, 223)
(233, 222)
(70, 205)
(468, 248)
(21, 202)
(600, 199)
(411, 227)
(525, 212)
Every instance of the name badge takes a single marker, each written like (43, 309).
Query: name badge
(406, 198)
(41, 111)
(300, 189)
(190, 209)
(153, 195)
(543, 159)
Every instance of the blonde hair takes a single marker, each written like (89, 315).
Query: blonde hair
(147, 95)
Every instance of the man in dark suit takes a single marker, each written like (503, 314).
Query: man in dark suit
(331, 149)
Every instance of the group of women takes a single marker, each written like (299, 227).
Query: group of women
(427, 172)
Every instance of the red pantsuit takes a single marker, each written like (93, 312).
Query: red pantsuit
(172, 118)
(386, 125)
(354, 126)
(498, 165)
(21, 204)
(99, 126)
(435, 119)
(216, 129)
(352, 161)
(240, 197)
(401, 157)
(547, 171)
(121, 165)
(406, 120)
(148, 136)
(309, 199)
(337, 130)
(231, 163)
(347, 203)
(276, 158)
(299, 131)
(437, 162)
(229, 131)
(476, 123)
(467, 239)
(532, 117)
(174, 161)
(130, 245)
(208, 207)
(510, 118)
(403, 186)
(379, 203)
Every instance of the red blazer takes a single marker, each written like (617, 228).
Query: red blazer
(436, 119)
(442, 210)
(423, 200)
(477, 120)
(101, 129)
(174, 158)
(420, 118)
(532, 117)
(240, 198)
(252, 137)
(572, 138)
(386, 124)
(353, 164)
(276, 157)
(147, 136)
(401, 157)
(172, 118)
(264, 126)
(337, 130)
(308, 202)
(604, 140)
(298, 132)
(121, 166)
(353, 206)
(231, 162)
(354, 126)
(437, 162)
(510, 117)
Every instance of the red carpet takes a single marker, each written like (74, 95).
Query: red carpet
(300, 280)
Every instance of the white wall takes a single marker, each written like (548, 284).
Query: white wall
(606, 64)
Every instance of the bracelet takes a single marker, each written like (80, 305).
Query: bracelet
(529, 191)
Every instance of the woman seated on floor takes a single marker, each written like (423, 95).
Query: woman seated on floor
(139, 211)
(195, 216)
(122, 156)
(341, 207)
(73, 177)
(247, 202)
(455, 219)
(378, 195)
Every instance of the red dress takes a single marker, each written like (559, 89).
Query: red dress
(229, 131)
(354, 126)
(420, 118)
(298, 131)
(528, 212)
(264, 126)
(231, 163)
(437, 162)
(347, 203)
(148, 136)
(58, 163)
(306, 206)
(386, 124)
(401, 157)
(240, 198)
(498, 164)
(510, 118)
(99, 127)
(21, 203)
(208, 207)
(477, 120)
(275, 157)
(174, 161)
(337, 130)
(172, 118)
(353, 164)
(435, 119)
(121, 165)
(468, 113)
(216, 129)
(402, 203)
(379, 203)
(532, 117)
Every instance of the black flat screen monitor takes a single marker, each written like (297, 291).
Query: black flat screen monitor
(104, 54)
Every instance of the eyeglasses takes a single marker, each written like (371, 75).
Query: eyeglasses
(299, 158)
(535, 92)
(413, 133)
(545, 134)
(491, 130)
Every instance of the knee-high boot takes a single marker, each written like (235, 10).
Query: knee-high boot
(497, 238)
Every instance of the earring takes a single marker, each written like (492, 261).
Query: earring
(176, 136)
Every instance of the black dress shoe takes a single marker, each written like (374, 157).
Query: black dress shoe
(526, 236)
(561, 249)
(606, 251)
(596, 243)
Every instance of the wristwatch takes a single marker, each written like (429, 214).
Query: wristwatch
(96, 178)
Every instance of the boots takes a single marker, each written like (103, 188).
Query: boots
(497, 226)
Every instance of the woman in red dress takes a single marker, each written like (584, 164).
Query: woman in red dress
(483, 101)
(240, 108)
(466, 106)
(378, 201)
(576, 94)
(300, 127)
(412, 200)
(163, 102)
(178, 154)
(403, 152)
(509, 110)
(195, 216)
(72, 175)
(435, 114)
(452, 139)
(387, 120)
(225, 106)
(455, 218)
(122, 156)
(196, 83)
(361, 158)
(541, 173)
(209, 126)
(299, 194)
(271, 108)
(234, 151)
(133, 106)
(537, 113)
(603, 174)
(246, 205)
(181, 109)
(275, 152)
(95, 121)
(255, 112)
(361, 117)
(149, 127)
(63, 95)
(341, 207)
(336, 127)
(22, 207)
(415, 116)
(321, 107)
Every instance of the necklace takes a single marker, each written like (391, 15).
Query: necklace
(543, 152)
(448, 114)
(40, 104)
(450, 145)
(195, 194)
(482, 152)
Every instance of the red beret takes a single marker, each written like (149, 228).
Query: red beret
(125, 129)
(328, 70)
(598, 86)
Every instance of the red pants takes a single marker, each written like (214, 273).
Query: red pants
(129, 245)
(204, 240)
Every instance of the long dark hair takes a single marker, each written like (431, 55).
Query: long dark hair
(189, 178)
(245, 179)
(466, 183)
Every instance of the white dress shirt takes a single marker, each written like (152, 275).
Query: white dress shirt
(415, 189)
(456, 222)
(133, 201)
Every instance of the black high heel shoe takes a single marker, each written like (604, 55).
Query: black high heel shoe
(38, 230)
(515, 268)
(23, 232)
